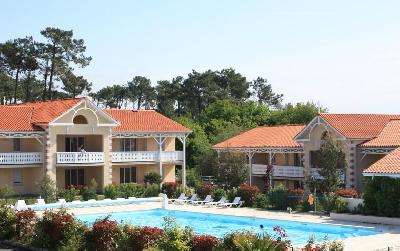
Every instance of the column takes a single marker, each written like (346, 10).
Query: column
(184, 163)
(160, 142)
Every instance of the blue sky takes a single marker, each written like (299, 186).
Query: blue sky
(344, 55)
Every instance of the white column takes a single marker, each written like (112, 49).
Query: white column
(184, 163)
(160, 142)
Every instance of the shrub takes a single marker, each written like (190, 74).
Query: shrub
(100, 197)
(381, 196)
(231, 193)
(169, 188)
(218, 194)
(68, 194)
(110, 191)
(306, 207)
(89, 193)
(140, 238)
(347, 193)
(8, 220)
(25, 225)
(130, 190)
(47, 188)
(247, 194)
(176, 238)
(278, 198)
(6, 192)
(152, 190)
(59, 230)
(295, 197)
(204, 242)
(260, 201)
(105, 234)
(152, 178)
(204, 190)
(340, 205)
(193, 179)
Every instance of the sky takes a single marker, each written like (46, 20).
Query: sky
(343, 55)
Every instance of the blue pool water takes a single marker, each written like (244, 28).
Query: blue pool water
(218, 225)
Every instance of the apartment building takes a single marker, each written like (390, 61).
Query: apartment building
(73, 141)
(368, 141)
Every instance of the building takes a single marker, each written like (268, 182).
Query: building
(368, 140)
(73, 141)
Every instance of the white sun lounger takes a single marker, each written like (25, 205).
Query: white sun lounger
(40, 202)
(193, 198)
(200, 202)
(215, 203)
(61, 201)
(180, 198)
(235, 203)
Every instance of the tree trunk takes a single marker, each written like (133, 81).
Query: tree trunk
(27, 87)
(16, 86)
(46, 73)
(139, 102)
(53, 56)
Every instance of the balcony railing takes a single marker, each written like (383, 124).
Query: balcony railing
(285, 171)
(80, 158)
(146, 156)
(20, 158)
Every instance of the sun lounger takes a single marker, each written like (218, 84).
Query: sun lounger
(235, 203)
(40, 202)
(180, 198)
(193, 198)
(215, 203)
(19, 204)
(61, 201)
(200, 202)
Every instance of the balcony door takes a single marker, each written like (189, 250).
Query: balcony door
(74, 177)
(128, 145)
(74, 144)
(127, 175)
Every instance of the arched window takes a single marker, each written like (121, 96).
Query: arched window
(80, 120)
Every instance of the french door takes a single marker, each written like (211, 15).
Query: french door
(74, 177)
(74, 144)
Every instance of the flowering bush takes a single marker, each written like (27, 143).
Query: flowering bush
(7, 223)
(25, 224)
(247, 194)
(169, 188)
(204, 242)
(105, 234)
(68, 194)
(348, 193)
(204, 190)
(140, 238)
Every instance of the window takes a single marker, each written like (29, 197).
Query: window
(286, 156)
(17, 176)
(74, 144)
(17, 145)
(127, 175)
(297, 159)
(315, 159)
(74, 177)
(80, 120)
(128, 145)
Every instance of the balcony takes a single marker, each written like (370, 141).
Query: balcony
(280, 171)
(146, 156)
(19, 158)
(80, 158)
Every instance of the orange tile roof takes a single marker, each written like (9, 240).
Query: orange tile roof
(389, 136)
(46, 111)
(16, 118)
(265, 137)
(144, 121)
(358, 126)
(390, 164)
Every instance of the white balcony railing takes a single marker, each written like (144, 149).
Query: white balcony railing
(280, 171)
(79, 157)
(146, 156)
(20, 158)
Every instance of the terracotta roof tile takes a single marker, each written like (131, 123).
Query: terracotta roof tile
(46, 111)
(389, 136)
(358, 126)
(16, 118)
(265, 137)
(144, 121)
(390, 164)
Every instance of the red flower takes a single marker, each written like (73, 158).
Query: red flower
(204, 242)
(348, 193)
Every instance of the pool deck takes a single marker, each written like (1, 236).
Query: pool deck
(389, 238)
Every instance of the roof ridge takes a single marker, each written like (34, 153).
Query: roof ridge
(380, 114)
(46, 101)
(132, 110)
(280, 125)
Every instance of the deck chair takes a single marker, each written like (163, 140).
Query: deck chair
(180, 198)
(201, 202)
(235, 203)
(215, 203)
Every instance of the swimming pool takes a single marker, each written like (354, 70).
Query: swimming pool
(218, 225)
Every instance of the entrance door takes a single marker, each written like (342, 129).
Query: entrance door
(74, 177)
